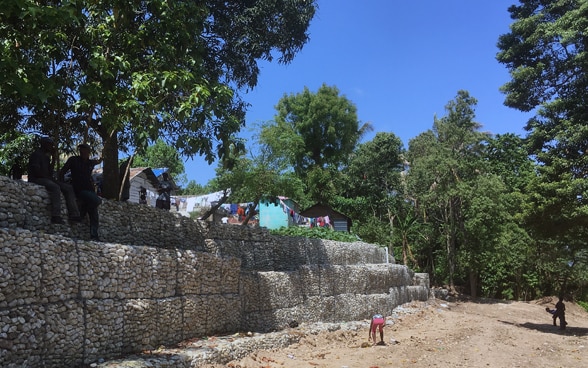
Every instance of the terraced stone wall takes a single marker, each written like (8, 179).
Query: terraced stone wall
(157, 279)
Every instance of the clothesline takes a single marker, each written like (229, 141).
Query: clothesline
(321, 221)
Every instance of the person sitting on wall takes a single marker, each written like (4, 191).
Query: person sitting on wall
(40, 170)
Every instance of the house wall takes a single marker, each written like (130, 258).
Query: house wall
(338, 221)
(141, 181)
(272, 216)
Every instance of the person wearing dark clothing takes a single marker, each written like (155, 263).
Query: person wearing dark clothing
(81, 179)
(553, 315)
(560, 312)
(164, 199)
(143, 195)
(40, 172)
(16, 171)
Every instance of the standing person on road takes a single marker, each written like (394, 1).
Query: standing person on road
(560, 311)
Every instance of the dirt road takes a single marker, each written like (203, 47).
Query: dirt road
(446, 334)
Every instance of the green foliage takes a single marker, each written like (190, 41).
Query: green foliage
(545, 53)
(374, 172)
(371, 229)
(15, 149)
(507, 157)
(193, 188)
(160, 155)
(316, 233)
(583, 304)
(371, 188)
(314, 133)
(127, 73)
(445, 164)
(262, 177)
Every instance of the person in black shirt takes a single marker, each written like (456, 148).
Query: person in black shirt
(164, 199)
(560, 312)
(81, 179)
(40, 172)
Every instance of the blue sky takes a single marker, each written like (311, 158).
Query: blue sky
(399, 62)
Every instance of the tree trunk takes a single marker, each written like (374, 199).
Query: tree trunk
(391, 217)
(216, 207)
(110, 182)
(251, 212)
(473, 284)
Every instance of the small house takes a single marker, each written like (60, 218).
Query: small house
(139, 178)
(143, 177)
(339, 221)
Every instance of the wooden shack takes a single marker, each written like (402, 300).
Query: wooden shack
(339, 221)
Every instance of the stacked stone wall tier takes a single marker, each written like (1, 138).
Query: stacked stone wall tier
(324, 293)
(290, 253)
(27, 206)
(66, 302)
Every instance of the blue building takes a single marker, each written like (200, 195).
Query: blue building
(278, 212)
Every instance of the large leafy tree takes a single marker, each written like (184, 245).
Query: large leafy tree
(444, 162)
(372, 187)
(315, 133)
(262, 176)
(546, 52)
(130, 72)
(511, 267)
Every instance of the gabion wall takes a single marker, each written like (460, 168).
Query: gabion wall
(326, 293)
(26, 205)
(65, 302)
(159, 278)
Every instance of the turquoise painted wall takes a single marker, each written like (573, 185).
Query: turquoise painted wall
(273, 216)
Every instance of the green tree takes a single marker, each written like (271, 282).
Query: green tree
(546, 52)
(315, 133)
(407, 226)
(262, 177)
(160, 155)
(127, 73)
(512, 270)
(193, 188)
(443, 162)
(15, 149)
(507, 156)
(372, 188)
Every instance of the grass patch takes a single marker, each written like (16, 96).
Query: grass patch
(315, 232)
